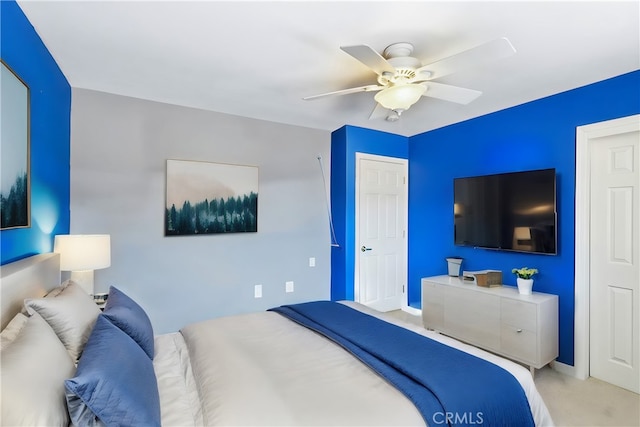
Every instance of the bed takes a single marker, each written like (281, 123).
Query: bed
(64, 361)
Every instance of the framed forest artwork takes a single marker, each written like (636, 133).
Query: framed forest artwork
(210, 198)
(15, 192)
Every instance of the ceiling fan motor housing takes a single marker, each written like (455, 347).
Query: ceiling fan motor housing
(405, 70)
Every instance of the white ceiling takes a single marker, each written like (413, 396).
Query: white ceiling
(259, 59)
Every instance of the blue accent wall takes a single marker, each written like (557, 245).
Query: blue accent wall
(50, 102)
(345, 143)
(536, 135)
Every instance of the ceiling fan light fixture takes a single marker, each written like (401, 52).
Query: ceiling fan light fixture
(400, 97)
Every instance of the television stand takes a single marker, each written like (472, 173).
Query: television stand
(523, 328)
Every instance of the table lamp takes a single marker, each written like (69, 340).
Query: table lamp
(522, 238)
(81, 254)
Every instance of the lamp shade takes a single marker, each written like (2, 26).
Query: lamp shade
(83, 251)
(522, 233)
(400, 97)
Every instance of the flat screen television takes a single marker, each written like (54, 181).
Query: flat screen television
(509, 211)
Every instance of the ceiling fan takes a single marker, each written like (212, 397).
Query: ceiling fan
(403, 79)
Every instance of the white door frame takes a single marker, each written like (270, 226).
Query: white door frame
(585, 138)
(356, 248)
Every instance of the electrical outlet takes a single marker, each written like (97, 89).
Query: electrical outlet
(257, 291)
(312, 262)
(288, 287)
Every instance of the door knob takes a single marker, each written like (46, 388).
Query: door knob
(364, 248)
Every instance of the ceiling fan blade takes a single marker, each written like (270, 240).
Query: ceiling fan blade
(370, 58)
(450, 93)
(479, 55)
(368, 88)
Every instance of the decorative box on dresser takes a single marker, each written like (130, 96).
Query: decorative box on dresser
(523, 328)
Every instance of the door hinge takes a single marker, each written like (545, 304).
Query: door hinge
(403, 289)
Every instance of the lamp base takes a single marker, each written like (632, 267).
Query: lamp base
(84, 278)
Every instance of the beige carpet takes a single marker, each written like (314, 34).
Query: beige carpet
(572, 402)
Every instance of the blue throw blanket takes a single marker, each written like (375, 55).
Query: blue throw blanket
(448, 386)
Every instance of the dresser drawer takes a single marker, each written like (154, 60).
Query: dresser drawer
(518, 343)
(473, 317)
(433, 292)
(519, 314)
(432, 306)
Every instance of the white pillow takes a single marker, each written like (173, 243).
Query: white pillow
(10, 332)
(35, 365)
(70, 312)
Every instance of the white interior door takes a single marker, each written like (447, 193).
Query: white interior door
(615, 260)
(381, 242)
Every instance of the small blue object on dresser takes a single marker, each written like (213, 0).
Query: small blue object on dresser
(127, 315)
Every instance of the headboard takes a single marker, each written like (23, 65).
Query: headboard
(30, 277)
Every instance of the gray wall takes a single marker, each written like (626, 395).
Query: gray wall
(119, 148)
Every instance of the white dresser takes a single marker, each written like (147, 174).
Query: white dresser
(523, 328)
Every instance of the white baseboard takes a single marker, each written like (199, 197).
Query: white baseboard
(565, 369)
(412, 310)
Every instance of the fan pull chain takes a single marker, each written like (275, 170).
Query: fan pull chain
(334, 241)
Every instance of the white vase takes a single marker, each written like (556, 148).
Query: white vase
(524, 286)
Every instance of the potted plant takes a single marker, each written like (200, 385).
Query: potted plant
(524, 279)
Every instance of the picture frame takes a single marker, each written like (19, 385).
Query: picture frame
(210, 198)
(15, 146)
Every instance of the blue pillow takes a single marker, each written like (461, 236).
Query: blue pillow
(115, 382)
(127, 315)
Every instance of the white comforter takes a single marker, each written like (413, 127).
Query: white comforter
(262, 369)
